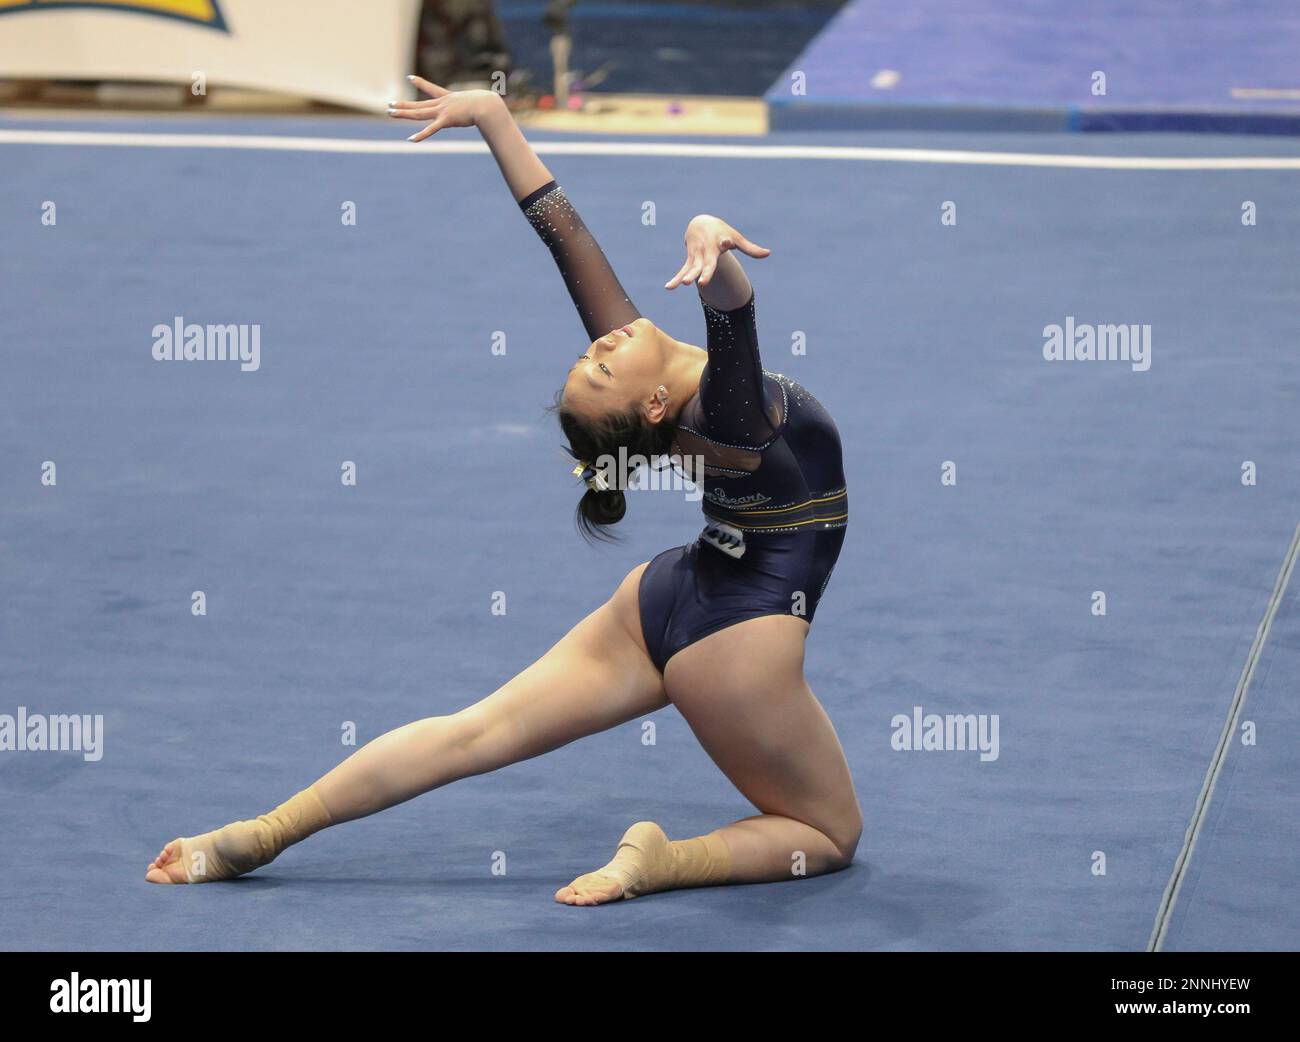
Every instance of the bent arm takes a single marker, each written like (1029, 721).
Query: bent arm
(717, 274)
(729, 288)
(737, 408)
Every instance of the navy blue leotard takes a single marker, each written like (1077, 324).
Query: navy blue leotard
(775, 502)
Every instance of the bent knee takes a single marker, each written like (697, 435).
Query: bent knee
(844, 854)
(845, 841)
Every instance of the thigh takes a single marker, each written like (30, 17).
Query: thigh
(743, 692)
(597, 676)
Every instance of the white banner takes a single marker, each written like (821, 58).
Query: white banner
(343, 51)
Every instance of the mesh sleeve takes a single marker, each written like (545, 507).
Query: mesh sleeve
(734, 401)
(597, 294)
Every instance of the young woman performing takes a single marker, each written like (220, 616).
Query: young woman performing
(717, 627)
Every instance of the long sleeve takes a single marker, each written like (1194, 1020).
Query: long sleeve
(601, 302)
(735, 405)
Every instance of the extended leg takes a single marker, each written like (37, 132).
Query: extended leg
(596, 677)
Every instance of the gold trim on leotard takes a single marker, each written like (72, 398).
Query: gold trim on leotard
(829, 510)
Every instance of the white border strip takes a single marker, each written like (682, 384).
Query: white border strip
(361, 146)
(1175, 885)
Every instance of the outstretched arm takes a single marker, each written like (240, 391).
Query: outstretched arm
(599, 297)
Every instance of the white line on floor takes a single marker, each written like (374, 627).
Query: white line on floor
(359, 146)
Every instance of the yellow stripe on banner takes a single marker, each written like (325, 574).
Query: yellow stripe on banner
(204, 11)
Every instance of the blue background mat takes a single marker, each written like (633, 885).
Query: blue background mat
(371, 604)
(726, 47)
(1028, 64)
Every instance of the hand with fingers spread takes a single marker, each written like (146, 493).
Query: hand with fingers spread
(444, 108)
(707, 239)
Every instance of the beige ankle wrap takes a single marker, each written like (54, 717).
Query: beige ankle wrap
(246, 845)
(647, 861)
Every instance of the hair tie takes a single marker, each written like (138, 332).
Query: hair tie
(595, 479)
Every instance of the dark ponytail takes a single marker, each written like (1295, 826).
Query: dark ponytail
(597, 509)
(591, 439)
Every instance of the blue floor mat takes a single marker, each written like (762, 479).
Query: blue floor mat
(371, 605)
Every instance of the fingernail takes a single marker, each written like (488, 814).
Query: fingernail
(411, 138)
(411, 77)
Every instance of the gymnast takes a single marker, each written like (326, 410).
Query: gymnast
(716, 627)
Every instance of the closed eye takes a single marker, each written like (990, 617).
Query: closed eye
(603, 367)
(587, 358)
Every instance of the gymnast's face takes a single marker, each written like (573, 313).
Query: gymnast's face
(618, 372)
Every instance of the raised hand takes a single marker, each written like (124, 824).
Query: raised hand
(707, 239)
(444, 108)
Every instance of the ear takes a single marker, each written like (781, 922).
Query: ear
(657, 407)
